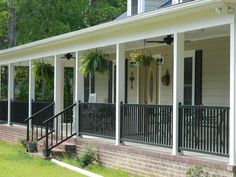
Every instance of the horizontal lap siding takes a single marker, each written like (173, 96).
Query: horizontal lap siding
(101, 87)
(215, 80)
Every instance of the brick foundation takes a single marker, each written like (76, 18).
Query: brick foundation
(12, 134)
(151, 163)
(135, 160)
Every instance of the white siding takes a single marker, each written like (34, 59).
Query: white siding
(215, 80)
(101, 87)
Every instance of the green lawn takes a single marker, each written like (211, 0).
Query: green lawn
(15, 162)
(98, 169)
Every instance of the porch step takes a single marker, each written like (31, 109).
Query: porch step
(57, 152)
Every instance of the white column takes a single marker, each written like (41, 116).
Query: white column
(10, 91)
(138, 84)
(178, 85)
(232, 112)
(79, 89)
(120, 85)
(141, 6)
(79, 80)
(31, 90)
(129, 13)
(57, 84)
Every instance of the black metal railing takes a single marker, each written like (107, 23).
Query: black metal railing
(3, 111)
(19, 111)
(61, 131)
(97, 119)
(149, 124)
(204, 128)
(35, 127)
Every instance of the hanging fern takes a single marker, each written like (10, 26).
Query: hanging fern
(43, 71)
(94, 62)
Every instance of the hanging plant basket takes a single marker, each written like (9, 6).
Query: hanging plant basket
(94, 62)
(42, 71)
(141, 56)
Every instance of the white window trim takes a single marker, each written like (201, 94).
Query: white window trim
(191, 54)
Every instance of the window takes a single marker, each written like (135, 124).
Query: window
(134, 7)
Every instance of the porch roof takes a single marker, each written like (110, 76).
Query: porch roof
(102, 35)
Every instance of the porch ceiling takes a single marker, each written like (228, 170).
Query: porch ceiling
(180, 18)
(201, 34)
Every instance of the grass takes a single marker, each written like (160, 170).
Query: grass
(98, 169)
(15, 162)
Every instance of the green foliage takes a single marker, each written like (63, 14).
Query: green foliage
(39, 19)
(43, 71)
(196, 171)
(93, 61)
(141, 56)
(87, 156)
(23, 142)
(21, 79)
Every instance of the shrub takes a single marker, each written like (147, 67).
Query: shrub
(196, 171)
(87, 157)
(23, 142)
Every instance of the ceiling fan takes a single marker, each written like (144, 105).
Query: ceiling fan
(68, 56)
(166, 40)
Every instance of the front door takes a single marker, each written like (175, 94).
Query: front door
(149, 83)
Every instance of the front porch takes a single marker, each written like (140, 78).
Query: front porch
(183, 101)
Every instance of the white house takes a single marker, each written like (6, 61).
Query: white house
(185, 99)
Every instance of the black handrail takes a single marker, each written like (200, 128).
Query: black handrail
(31, 117)
(61, 134)
(59, 113)
(37, 127)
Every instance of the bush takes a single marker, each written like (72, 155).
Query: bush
(23, 142)
(87, 157)
(196, 171)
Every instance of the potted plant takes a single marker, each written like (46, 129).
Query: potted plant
(31, 146)
(43, 71)
(141, 56)
(93, 62)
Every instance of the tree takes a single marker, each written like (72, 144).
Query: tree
(11, 23)
(3, 26)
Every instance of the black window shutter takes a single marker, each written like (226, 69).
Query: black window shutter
(126, 80)
(198, 77)
(86, 89)
(110, 82)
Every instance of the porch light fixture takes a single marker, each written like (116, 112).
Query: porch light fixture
(131, 79)
(160, 60)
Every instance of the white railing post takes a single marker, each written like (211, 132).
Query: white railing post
(178, 83)
(10, 91)
(232, 114)
(120, 85)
